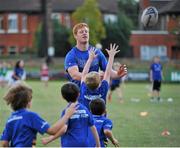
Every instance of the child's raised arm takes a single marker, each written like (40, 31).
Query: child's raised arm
(61, 122)
(112, 52)
(92, 55)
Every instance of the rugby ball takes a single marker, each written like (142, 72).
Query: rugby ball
(149, 17)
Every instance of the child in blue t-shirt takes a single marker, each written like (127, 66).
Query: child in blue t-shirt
(103, 124)
(23, 125)
(91, 85)
(156, 76)
(75, 132)
(116, 85)
(19, 72)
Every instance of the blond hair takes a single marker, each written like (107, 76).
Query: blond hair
(92, 80)
(79, 26)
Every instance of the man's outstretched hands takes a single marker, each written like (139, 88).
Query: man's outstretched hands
(122, 70)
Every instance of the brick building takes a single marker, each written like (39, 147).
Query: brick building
(161, 39)
(19, 20)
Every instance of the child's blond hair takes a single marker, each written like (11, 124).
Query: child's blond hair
(92, 80)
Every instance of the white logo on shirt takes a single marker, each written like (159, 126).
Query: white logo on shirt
(92, 97)
(80, 114)
(15, 118)
(108, 125)
(43, 124)
(99, 120)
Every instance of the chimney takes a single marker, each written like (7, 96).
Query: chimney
(144, 4)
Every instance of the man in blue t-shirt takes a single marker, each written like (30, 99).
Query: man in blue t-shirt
(75, 132)
(23, 125)
(103, 125)
(156, 76)
(91, 85)
(77, 57)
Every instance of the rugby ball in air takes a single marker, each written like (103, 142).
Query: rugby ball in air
(149, 17)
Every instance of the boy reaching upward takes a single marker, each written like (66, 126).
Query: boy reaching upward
(91, 85)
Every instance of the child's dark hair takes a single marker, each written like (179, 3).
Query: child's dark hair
(97, 106)
(17, 65)
(70, 92)
(18, 96)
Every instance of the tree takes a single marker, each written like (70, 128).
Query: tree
(60, 35)
(90, 14)
(119, 33)
(131, 9)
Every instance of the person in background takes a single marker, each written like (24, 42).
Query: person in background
(19, 73)
(44, 74)
(156, 76)
(116, 85)
(3, 73)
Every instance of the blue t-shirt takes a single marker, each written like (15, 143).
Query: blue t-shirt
(22, 127)
(77, 130)
(18, 72)
(87, 95)
(156, 71)
(101, 123)
(76, 57)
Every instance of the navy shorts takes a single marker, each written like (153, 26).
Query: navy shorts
(157, 85)
(113, 87)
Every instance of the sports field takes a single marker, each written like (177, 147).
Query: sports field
(131, 129)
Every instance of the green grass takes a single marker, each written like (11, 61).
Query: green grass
(130, 128)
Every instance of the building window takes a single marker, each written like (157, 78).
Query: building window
(1, 50)
(12, 50)
(67, 20)
(24, 23)
(148, 52)
(1, 24)
(110, 18)
(55, 16)
(162, 22)
(12, 23)
(22, 50)
(63, 18)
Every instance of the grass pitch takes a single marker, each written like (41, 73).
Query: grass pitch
(131, 129)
